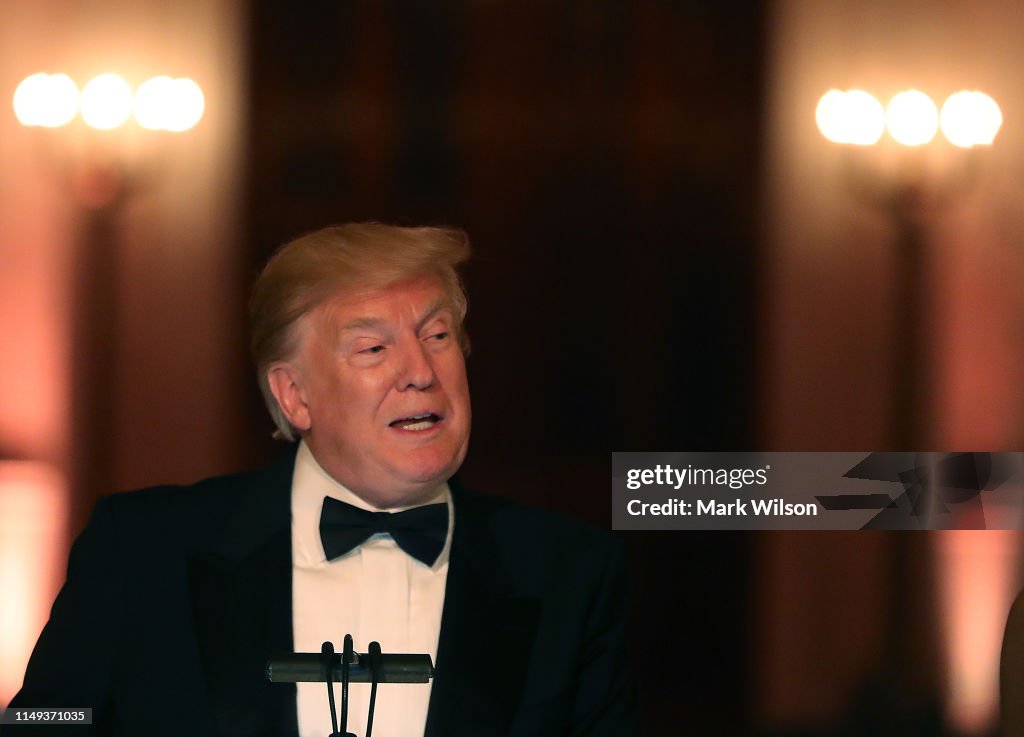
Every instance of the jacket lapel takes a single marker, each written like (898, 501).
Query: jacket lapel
(242, 604)
(486, 634)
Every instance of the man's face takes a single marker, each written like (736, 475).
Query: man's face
(380, 390)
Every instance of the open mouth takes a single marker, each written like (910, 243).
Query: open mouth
(416, 423)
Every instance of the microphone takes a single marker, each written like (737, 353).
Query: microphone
(347, 656)
(375, 654)
(311, 667)
(326, 657)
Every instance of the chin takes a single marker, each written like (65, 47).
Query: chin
(426, 463)
(409, 494)
(428, 477)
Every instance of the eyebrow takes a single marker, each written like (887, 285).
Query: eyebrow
(369, 323)
(359, 323)
(439, 305)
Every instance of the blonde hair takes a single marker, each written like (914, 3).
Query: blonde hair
(307, 271)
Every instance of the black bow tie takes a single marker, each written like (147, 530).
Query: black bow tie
(421, 531)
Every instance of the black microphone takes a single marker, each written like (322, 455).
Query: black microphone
(311, 667)
(326, 658)
(347, 656)
(375, 655)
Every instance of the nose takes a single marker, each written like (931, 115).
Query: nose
(417, 370)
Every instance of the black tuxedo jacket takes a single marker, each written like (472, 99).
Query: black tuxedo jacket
(1011, 673)
(176, 597)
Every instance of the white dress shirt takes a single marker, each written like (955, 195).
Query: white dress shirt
(375, 592)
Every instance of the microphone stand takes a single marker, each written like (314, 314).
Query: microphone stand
(374, 671)
(351, 667)
(327, 651)
(346, 660)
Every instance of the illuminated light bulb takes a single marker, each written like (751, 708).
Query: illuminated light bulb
(829, 115)
(153, 101)
(49, 100)
(866, 118)
(188, 106)
(970, 118)
(853, 117)
(912, 118)
(62, 103)
(106, 102)
(28, 98)
(162, 103)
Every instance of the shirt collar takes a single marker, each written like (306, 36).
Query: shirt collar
(311, 483)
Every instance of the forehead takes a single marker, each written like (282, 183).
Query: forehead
(410, 300)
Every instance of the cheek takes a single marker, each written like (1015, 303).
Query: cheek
(463, 391)
(358, 396)
(338, 395)
(458, 396)
(454, 372)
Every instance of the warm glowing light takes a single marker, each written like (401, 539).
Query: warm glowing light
(829, 115)
(189, 105)
(153, 102)
(977, 576)
(162, 103)
(866, 116)
(33, 520)
(853, 117)
(49, 100)
(912, 118)
(970, 118)
(106, 101)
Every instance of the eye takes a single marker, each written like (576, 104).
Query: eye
(443, 335)
(373, 349)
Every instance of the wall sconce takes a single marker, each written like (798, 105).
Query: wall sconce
(857, 120)
(89, 138)
(968, 118)
(107, 102)
(970, 602)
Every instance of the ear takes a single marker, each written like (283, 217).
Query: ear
(286, 383)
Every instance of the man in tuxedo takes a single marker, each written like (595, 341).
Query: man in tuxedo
(177, 596)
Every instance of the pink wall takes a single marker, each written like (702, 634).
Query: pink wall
(827, 342)
(176, 399)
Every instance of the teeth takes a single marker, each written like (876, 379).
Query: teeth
(417, 422)
(418, 426)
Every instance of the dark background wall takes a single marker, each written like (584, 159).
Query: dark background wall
(603, 158)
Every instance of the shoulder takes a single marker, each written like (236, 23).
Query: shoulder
(502, 513)
(192, 513)
(170, 498)
(536, 539)
(170, 502)
(1011, 672)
